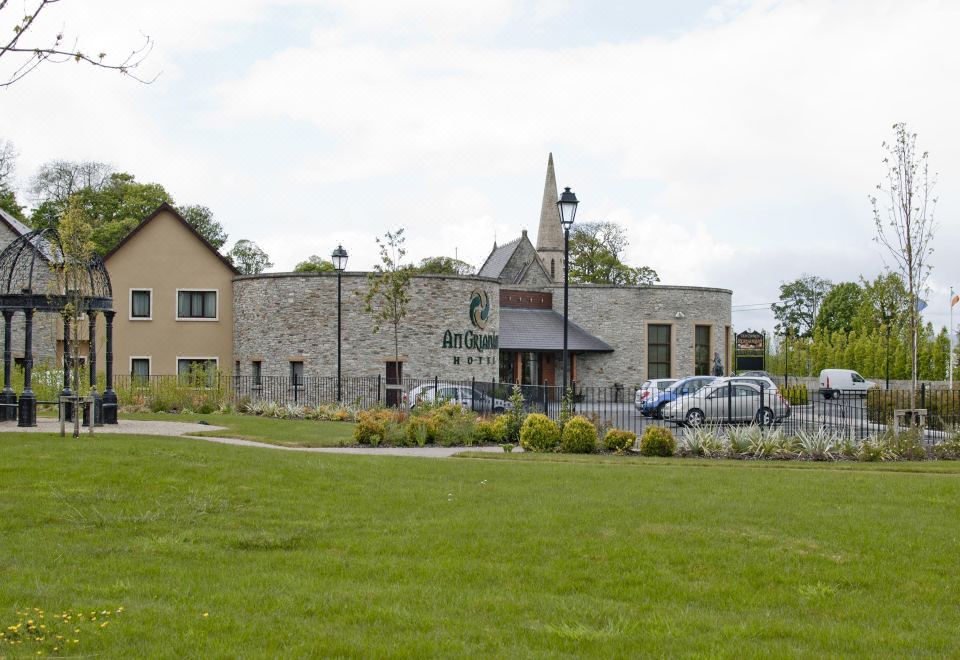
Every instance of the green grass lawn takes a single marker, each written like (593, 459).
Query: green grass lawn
(291, 554)
(285, 432)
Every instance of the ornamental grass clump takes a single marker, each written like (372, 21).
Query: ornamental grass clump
(371, 426)
(539, 433)
(658, 441)
(619, 441)
(579, 436)
(819, 445)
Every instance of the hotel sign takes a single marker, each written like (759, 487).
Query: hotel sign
(479, 314)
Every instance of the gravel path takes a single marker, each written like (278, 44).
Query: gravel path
(186, 429)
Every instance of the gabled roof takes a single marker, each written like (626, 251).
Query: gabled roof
(498, 259)
(18, 227)
(160, 209)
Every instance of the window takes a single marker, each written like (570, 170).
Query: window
(199, 372)
(296, 373)
(196, 305)
(257, 373)
(658, 351)
(140, 370)
(140, 307)
(701, 350)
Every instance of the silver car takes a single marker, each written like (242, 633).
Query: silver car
(462, 394)
(728, 402)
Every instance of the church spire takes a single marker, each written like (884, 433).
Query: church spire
(549, 234)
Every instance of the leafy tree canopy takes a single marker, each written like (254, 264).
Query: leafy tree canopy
(799, 304)
(314, 264)
(445, 266)
(115, 202)
(595, 256)
(249, 258)
(840, 308)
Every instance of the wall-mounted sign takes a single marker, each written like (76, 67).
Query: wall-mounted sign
(479, 308)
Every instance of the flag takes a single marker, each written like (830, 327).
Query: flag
(954, 298)
(921, 305)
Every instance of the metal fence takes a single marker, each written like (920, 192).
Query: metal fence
(850, 413)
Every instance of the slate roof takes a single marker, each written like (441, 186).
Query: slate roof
(498, 259)
(18, 227)
(542, 330)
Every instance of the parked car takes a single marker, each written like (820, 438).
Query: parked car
(653, 405)
(734, 402)
(834, 382)
(755, 372)
(651, 388)
(462, 394)
(760, 381)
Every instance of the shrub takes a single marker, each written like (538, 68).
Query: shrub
(539, 433)
(395, 435)
(452, 425)
(658, 441)
(419, 431)
(823, 445)
(371, 426)
(492, 430)
(619, 441)
(579, 436)
(508, 448)
(796, 395)
(875, 449)
(515, 416)
(948, 449)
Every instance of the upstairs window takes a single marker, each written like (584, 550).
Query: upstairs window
(196, 305)
(140, 304)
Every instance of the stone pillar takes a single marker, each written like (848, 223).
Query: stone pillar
(28, 401)
(109, 396)
(92, 361)
(8, 397)
(66, 391)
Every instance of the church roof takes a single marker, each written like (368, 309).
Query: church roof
(498, 259)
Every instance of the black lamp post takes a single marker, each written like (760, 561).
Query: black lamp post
(568, 211)
(339, 258)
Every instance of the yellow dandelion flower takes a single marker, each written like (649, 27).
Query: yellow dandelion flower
(206, 614)
(104, 624)
(76, 630)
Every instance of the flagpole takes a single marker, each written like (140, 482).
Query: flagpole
(950, 361)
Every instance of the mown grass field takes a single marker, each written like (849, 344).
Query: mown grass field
(216, 551)
(284, 432)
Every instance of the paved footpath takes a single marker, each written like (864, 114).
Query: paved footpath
(186, 429)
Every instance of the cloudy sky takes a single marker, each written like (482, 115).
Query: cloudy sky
(737, 142)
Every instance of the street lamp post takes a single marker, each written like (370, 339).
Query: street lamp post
(568, 211)
(339, 258)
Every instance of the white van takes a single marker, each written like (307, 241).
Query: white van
(834, 382)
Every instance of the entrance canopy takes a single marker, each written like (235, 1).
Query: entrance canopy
(542, 330)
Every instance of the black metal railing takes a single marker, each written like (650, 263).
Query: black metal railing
(858, 414)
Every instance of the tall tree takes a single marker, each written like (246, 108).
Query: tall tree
(8, 198)
(57, 180)
(595, 256)
(314, 264)
(388, 295)
(444, 266)
(249, 258)
(201, 218)
(840, 308)
(23, 49)
(905, 222)
(800, 301)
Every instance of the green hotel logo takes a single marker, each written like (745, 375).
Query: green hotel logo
(479, 308)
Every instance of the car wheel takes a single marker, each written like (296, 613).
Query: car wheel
(658, 413)
(827, 395)
(765, 417)
(498, 410)
(694, 417)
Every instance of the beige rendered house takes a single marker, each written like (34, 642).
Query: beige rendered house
(173, 296)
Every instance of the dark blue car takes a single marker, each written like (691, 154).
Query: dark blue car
(654, 406)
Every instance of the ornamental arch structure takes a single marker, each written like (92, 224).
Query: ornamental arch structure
(31, 282)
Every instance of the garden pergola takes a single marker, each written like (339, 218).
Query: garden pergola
(31, 281)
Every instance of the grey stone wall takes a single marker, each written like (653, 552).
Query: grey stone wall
(293, 316)
(619, 316)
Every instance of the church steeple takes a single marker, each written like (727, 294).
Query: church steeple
(549, 234)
